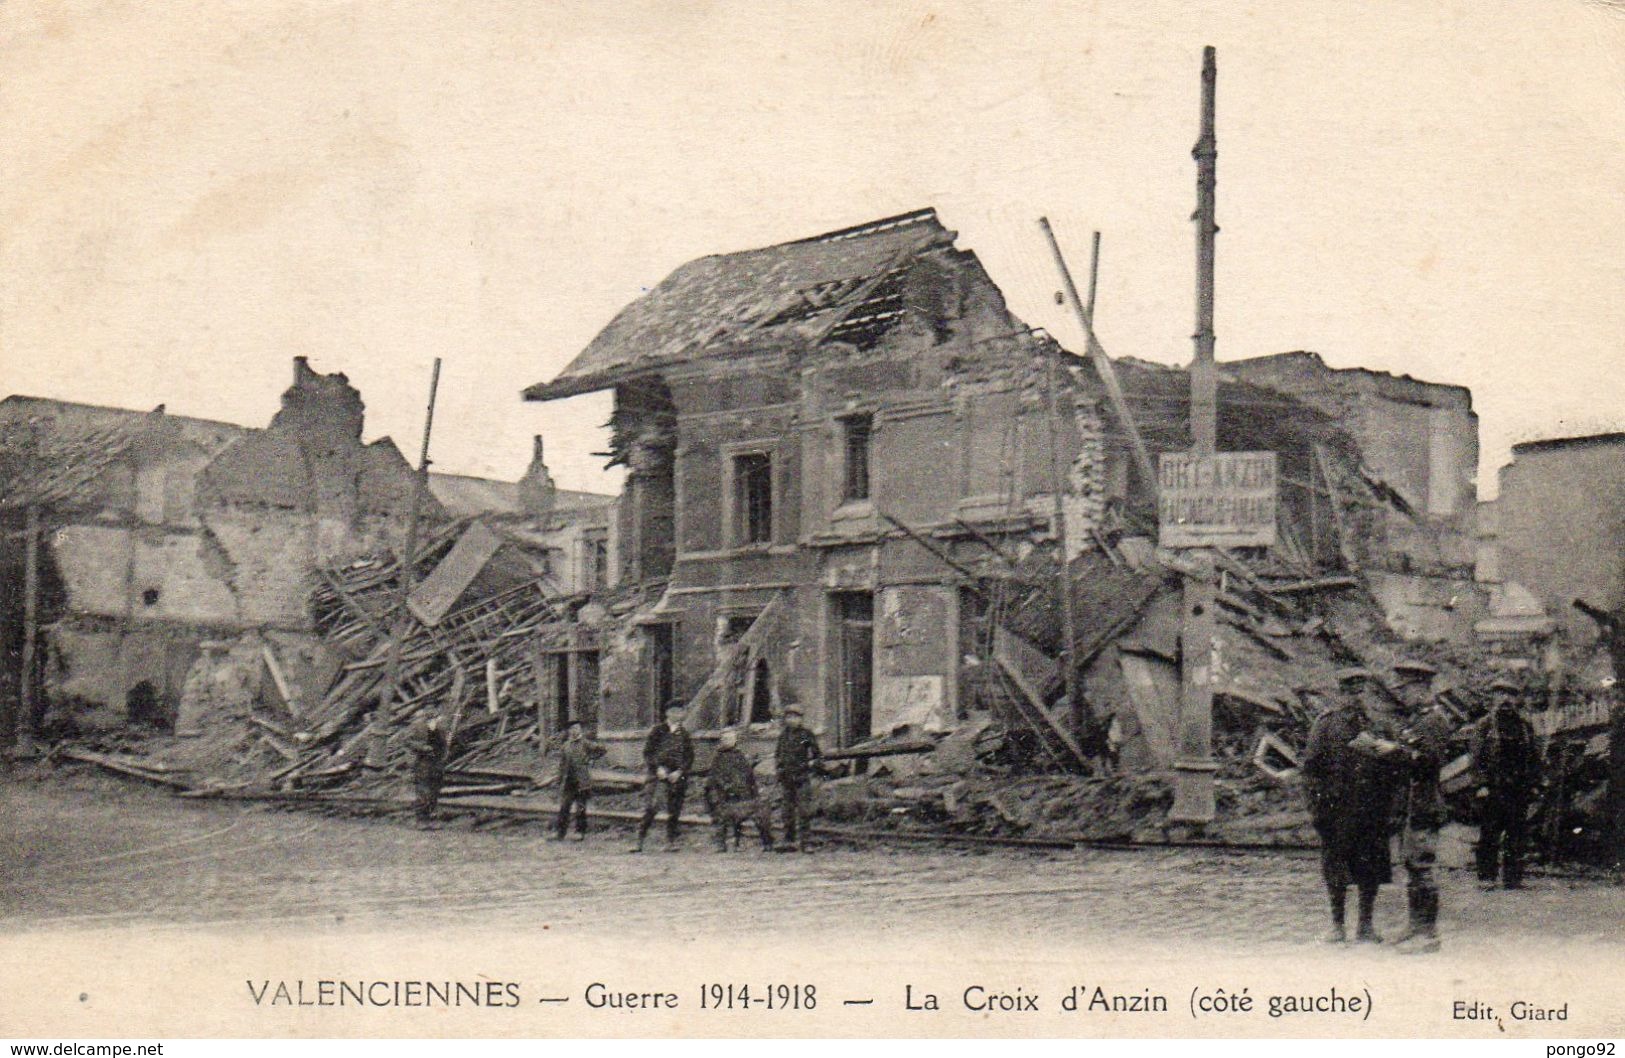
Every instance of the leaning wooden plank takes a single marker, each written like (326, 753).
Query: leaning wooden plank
(1040, 671)
(1317, 584)
(277, 678)
(288, 752)
(151, 775)
(1153, 692)
(276, 729)
(893, 750)
(725, 664)
(1036, 700)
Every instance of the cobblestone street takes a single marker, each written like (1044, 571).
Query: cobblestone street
(82, 851)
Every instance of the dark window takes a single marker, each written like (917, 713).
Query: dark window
(150, 597)
(753, 497)
(600, 563)
(858, 430)
(595, 563)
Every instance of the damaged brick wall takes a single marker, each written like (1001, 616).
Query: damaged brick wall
(948, 390)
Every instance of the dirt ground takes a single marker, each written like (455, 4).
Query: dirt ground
(78, 850)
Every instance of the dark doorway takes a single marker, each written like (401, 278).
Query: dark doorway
(662, 672)
(854, 613)
(556, 692)
(587, 689)
(761, 692)
(143, 707)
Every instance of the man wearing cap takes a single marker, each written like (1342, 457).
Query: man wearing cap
(428, 744)
(575, 779)
(732, 796)
(1349, 802)
(1418, 752)
(668, 757)
(1505, 761)
(795, 757)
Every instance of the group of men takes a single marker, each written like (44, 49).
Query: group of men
(1366, 778)
(732, 795)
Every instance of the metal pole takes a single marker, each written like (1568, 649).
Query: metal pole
(383, 716)
(1203, 371)
(1193, 764)
(27, 696)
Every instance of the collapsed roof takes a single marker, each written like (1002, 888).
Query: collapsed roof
(836, 285)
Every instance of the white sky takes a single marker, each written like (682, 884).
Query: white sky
(190, 199)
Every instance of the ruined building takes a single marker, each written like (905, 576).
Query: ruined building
(1560, 531)
(829, 442)
(1420, 440)
(167, 539)
(569, 531)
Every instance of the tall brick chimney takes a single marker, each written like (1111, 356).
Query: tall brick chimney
(536, 488)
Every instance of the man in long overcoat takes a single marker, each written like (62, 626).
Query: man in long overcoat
(1350, 800)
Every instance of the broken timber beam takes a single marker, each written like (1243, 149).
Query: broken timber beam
(940, 555)
(1054, 732)
(1103, 363)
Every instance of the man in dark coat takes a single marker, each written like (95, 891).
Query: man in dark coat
(732, 796)
(428, 745)
(1505, 760)
(668, 757)
(1350, 802)
(1418, 752)
(575, 779)
(796, 757)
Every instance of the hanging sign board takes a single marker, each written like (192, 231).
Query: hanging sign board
(1222, 500)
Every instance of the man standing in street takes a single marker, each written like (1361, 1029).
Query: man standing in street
(732, 796)
(428, 770)
(575, 779)
(1419, 752)
(1505, 762)
(668, 757)
(795, 757)
(1349, 802)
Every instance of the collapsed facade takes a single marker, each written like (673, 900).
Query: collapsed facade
(836, 445)
(1420, 439)
(177, 553)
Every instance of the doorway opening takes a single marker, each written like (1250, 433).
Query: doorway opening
(854, 641)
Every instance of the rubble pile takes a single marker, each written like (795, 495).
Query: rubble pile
(1016, 768)
(276, 716)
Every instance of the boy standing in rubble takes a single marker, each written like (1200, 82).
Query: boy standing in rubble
(668, 757)
(732, 796)
(1349, 801)
(428, 770)
(575, 779)
(795, 757)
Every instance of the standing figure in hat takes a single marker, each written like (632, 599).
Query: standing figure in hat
(1350, 800)
(796, 757)
(428, 745)
(1418, 753)
(1506, 762)
(732, 796)
(668, 757)
(575, 779)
